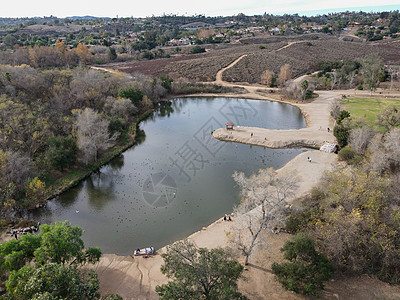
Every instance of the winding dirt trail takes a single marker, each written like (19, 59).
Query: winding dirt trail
(288, 45)
(218, 79)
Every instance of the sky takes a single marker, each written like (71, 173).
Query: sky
(135, 8)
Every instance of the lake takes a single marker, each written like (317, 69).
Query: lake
(177, 179)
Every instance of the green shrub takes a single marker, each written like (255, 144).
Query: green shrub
(273, 82)
(166, 82)
(342, 135)
(261, 47)
(297, 220)
(197, 49)
(147, 55)
(116, 125)
(343, 115)
(307, 269)
(133, 94)
(309, 94)
(350, 156)
(113, 297)
(61, 152)
(346, 154)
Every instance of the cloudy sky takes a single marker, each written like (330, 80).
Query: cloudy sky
(127, 8)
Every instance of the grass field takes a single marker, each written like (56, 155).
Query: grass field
(368, 108)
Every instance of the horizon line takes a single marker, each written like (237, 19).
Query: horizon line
(307, 13)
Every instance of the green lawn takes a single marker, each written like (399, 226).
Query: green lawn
(368, 108)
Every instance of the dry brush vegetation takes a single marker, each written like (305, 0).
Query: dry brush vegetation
(303, 57)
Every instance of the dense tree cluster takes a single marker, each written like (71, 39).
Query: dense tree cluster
(49, 119)
(306, 269)
(353, 214)
(199, 273)
(44, 266)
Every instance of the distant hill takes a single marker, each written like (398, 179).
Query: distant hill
(86, 18)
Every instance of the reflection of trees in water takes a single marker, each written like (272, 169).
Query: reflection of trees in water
(100, 189)
(165, 109)
(140, 136)
(65, 200)
(178, 104)
(68, 198)
(117, 163)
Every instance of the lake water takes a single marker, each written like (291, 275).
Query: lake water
(177, 179)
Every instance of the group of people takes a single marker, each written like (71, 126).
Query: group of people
(309, 159)
(227, 218)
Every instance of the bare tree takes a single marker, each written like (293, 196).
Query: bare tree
(291, 90)
(15, 168)
(304, 87)
(267, 77)
(122, 108)
(351, 77)
(389, 117)
(394, 73)
(92, 134)
(334, 79)
(360, 138)
(264, 197)
(385, 151)
(336, 108)
(285, 74)
(371, 67)
(392, 144)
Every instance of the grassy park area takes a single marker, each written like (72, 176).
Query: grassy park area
(368, 108)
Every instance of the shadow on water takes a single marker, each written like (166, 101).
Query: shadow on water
(140, 137)
(165, 109)
(117, 163)
(100, 190)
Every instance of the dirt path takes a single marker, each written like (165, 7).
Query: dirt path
(288, 45)
(218, 79)
(112, 71)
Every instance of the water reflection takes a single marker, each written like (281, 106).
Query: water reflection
(117, 163)
(100, 188)
(73, 194)
(165, 109)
